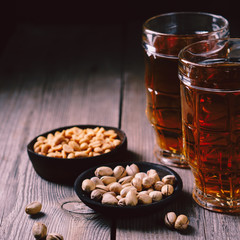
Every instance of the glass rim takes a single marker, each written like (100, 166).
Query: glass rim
(148, 30)
(182, 58)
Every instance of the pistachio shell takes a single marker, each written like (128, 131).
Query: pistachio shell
(103, 171)
(54, 236)
(140, 175)
(167, 190)
(33, 208)
(132, 169)
(131, 198)
(108, 179)
(116, 187)
(144, 199)
(88, 185)
(169, 179)
(97, 181)
(181, 222)
(119, 172)
(39, 230)
(97, 194)
(137, 183)
(109, 199)
(156, 196)
(170, 219)
(158, 185)
(125, 180)
(147, 182)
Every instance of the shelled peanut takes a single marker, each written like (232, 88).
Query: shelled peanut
(128, 186)
(76, 143)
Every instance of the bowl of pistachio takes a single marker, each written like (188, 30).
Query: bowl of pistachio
(61, 154)
(128, 188)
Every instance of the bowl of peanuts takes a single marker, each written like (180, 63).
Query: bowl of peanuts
(125, 189)
(61, 154)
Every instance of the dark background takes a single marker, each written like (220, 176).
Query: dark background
(104, 12)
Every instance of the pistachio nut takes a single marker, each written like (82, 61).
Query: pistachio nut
(88, 185)
(116, 187)
(158, 185)
(39, 230)
(181, 222)
(156, 196)
(111, 193)
(122, 202)
(125, 180)
(103, 171)
(109, 199)
(33, 208)
(147, 182)
(155, 176)
(125, 190)
(144, 199)
(97, 194)
(54, 236)
(126, 185)
(97, 181)
(137, 183)
(132, 169)
(170, 219)
(102, 187)
(119, 172)
(131, 198)
(167, 190)
(151, 172)
(140, 175)
(108, 179)
(169, 179)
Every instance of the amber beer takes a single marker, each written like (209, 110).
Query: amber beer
(163, 37)
(210, 90)
(163, 103)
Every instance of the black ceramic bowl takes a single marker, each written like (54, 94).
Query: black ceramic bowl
(65, 171)
(128, 211)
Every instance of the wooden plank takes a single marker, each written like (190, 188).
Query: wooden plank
(51, 77)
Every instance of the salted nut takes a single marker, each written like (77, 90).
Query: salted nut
(128, 186)
(179, 223)
(33, 208)
(39, 230)
(119, 172)
(88, 185)
(132, 169)
(54, 236)
(103, 171)
(170, 219)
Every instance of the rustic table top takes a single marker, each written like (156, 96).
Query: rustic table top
(53, 76)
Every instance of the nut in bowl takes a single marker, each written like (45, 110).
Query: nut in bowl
(60, 155)
(127, 195)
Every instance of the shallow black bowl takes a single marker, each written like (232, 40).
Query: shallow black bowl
(65, 171)
(128, 210)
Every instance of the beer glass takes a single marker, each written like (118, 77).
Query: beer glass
(163, 37)
(210, 96)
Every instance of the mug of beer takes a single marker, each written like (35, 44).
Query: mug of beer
(163, 37)
(209, 73)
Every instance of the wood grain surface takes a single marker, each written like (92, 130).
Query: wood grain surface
(53, 76)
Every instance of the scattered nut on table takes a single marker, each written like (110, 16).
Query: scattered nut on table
(180, 222)
(76, 142)
(39, 230)
(128, 186)
(33, 208)
(54, 236)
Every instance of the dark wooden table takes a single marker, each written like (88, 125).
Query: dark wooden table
(53, 76)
